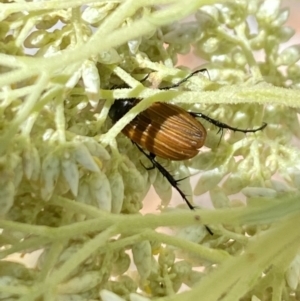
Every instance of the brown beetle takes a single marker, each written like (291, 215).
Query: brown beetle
(167, 131)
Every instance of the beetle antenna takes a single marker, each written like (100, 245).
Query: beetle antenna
(170, 179)
(222, 125)
(185, 79)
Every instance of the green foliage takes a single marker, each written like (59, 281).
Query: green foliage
(71, 187)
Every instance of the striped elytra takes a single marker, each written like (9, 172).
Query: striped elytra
(165, 130)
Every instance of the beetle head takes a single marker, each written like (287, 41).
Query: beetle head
(120, 108)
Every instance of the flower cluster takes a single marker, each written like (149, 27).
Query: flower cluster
(72, 187)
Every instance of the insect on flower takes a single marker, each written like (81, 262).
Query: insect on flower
(167, 131)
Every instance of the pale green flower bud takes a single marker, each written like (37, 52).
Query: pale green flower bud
(208, 16)
(252, 7)
(209, 179)
(110, 56)
(74, 78)
(70, 172)
(48, 21)
(94, 147)
(49, 175)
(83, 157)
(219, 198)
(117, 191)
(292, 275)
(289, 56)
(91, 81)
(84, 195)
(235, 182)
(163, 189)
(280, 186)
(38, 39)
(192, 233)
(15, 162)
(211, 45)
(81, 283)
(134, 45)
(121, 264)
(126, 284)
(109, 296)
(100, 191)
(11, 282)
(281, 18)
(142, 258)
(232, 13)
(16, 269)
(31, 163)
(268, 10)
(180, 273)
(166, 257)
(93, 15)
(252, 192)
(285, 33)
(240, 60)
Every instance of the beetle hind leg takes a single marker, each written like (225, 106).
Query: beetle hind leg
(222, 125)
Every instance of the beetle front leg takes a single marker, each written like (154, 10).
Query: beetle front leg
(166, 174)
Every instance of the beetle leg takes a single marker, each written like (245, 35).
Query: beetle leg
(179, 180)
(184, 80)
(166, 174)
(148, 168)
(222, 125)
(170, 179)
(151, 155)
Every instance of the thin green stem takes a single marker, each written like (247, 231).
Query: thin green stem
(50, 259)
(256, 215)
(60, 121)
(31, 243)
(205, 253)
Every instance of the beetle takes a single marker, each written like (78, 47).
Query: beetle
(167, 131)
